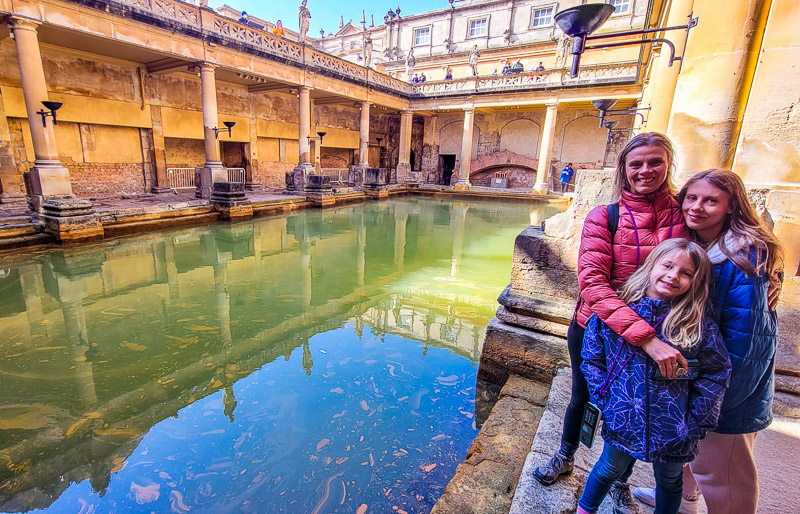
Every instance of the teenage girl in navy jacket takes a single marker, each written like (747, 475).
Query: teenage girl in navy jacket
(747, 262)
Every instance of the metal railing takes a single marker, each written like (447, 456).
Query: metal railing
(339, 176)
(180, 178)
(236, 175)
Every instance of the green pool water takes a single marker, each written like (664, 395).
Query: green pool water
(320, 361)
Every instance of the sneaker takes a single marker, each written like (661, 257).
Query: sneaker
(548, 473)
(622, 500)
(647, 496)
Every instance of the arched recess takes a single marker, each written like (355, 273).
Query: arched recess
(583, 141)
(451, 136)
(520, 136)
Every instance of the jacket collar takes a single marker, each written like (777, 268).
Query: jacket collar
(658, 197)
(647, 306)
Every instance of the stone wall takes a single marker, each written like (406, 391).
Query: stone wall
(98, 180)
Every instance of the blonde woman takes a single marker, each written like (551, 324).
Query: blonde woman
(647, 214)
(648, 417)
(747, 265)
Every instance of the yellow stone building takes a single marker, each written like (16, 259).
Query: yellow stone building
(145, 84)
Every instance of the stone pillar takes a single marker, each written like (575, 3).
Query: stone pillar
(48, 177)
(713, 87)
(430, 148)
(159, 151)
(466, 151)
(404, 159)
(546, 151)
(363, 136)
(251, 183)
(663, 77)
(304, 166)
(12, 183)
(213, 170)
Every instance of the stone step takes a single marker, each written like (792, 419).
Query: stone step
(14, 219)
(26, 241)
(17, 230)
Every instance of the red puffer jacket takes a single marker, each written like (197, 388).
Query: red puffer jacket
(658, 217)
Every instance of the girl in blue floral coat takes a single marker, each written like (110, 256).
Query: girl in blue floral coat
(647, 417)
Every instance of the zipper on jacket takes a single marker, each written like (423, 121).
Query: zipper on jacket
(647, 410)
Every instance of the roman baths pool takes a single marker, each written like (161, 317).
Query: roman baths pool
(318, 361)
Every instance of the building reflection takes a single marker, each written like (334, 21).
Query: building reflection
(102, 342)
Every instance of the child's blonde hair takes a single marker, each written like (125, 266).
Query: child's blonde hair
(683, 325)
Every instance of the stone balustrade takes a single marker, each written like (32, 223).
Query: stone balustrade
(292, 52)
(589, 75)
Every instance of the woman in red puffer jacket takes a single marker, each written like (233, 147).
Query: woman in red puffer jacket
(648, 215)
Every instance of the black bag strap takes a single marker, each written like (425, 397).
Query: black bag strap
(613, 219)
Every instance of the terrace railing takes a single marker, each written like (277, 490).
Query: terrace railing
(305, 55)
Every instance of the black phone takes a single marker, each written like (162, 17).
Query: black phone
(591, 419)
(689, 373)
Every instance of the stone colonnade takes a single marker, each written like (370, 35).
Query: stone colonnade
(49, 178)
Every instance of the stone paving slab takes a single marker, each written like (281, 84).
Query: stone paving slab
(777, 458)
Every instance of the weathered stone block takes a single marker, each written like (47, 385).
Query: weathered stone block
(508, 349)
(376, 177)
(71, 220)
(205, 177)
(318, 183)
(230, 200)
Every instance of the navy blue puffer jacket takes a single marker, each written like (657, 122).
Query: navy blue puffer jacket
(750, 331)
(654, 420)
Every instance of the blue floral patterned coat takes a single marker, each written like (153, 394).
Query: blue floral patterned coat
(650, 419)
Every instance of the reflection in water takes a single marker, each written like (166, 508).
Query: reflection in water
(320, 360)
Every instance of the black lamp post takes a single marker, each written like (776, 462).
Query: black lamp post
(228, 126)
(51, 107)
(580, 21)
(605, 107)
(320, 134)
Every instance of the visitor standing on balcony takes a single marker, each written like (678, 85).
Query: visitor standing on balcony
(647, 214)
(566, 176)
(422, 77)
(540, 67)
(747, 268)
(448, 74)
(278, 30)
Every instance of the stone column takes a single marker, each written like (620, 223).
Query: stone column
(664, 78)
(253, 158)
(48, 177)
(304, 166)
(466, 151)
(404, 159)
(213, 170)
(363, 136)
(430, 148)
(546, 150)
(713, 88)
(12, 184)
(159, 151)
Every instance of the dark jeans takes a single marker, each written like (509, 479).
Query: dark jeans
(580, 394)
(614, 463)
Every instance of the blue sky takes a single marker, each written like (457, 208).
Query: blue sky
(325, 13)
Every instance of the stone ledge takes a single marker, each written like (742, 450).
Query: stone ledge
(484, 482)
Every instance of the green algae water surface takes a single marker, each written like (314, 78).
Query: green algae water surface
(322, 361)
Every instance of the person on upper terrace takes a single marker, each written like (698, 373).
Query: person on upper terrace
(448, 74)
(506, 68)
(540, 67)
(278, 29)
(494, 73)
(245, 19)
(415, 79)
(518, 67)
(422, 77)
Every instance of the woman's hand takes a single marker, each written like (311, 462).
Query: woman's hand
(668, 358)
(774, 291)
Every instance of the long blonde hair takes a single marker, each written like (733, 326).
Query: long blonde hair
(645, 139)
(742, 222)
(683, 326)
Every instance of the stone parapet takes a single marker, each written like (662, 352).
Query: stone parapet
(71, 220)
(230, 201)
